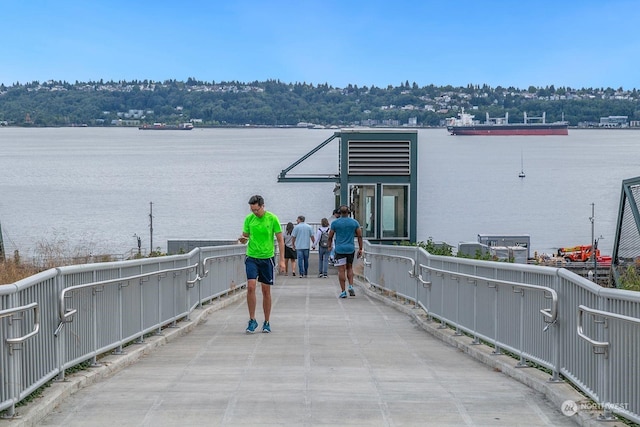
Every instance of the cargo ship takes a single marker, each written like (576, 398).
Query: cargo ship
(465, 124)
(162, 126)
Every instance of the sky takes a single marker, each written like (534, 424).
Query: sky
(576, 44)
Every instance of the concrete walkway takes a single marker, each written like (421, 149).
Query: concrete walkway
(361, 361)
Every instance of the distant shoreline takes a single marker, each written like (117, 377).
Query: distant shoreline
(318, 127)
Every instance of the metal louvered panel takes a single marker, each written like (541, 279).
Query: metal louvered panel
(629, 246)
(379, 158)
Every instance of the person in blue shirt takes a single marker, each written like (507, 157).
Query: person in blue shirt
(332, 252)
(344, 230)
(302, 239)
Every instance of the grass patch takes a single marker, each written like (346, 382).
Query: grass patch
(12, 271)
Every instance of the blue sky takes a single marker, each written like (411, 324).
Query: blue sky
(579, 44)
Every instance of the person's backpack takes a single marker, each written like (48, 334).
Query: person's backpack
(324, 238)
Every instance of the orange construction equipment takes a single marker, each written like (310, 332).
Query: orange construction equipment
(580, 253)
(583, 253)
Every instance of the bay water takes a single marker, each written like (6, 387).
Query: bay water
(93, 190)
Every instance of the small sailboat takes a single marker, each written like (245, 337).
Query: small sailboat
(521, 174)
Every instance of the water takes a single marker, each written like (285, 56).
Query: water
(470, 185)
(90, 189)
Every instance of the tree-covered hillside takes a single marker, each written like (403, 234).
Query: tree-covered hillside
(274, 103)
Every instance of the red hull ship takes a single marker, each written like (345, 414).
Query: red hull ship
(465, 125)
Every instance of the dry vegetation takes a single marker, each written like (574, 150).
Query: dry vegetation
(11, 272)
(57, 251)
(52, 251)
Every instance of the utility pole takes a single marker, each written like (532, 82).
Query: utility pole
(151, 226)
(2, 258)
(594, 244)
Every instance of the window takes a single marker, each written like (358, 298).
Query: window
(395, 211)
(392, 222)
(363, 207)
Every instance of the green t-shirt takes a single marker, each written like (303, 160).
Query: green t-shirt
(261, 231)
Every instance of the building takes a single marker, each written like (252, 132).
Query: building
(614, 122)
(506, 240)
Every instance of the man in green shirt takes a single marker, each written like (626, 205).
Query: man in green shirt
(259, 229)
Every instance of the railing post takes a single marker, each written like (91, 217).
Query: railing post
(417, 274)
(603, 367)
(140, 339)
(159, 299)
(118, 349)
(61, 338)
(94, 316)
(555, 374)
(521, 363)
(13, 370)
(16, 335)
(476, 340)
(457, 333)
(496, 350)
(442, 323)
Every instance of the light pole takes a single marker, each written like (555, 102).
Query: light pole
(151, 226)
(594, 243)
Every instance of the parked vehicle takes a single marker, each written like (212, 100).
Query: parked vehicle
(583, 253)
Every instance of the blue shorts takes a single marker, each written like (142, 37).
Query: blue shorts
(260, 269)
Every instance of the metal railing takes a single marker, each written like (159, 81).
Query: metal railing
(547, 316)
(537, 314)
(67, 316)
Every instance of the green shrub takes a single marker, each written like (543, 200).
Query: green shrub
(630, 280)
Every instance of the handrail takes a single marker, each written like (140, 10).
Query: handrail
(595, 383)
(61, 302)
(168, 300)
(36, 321)
(550, 313)
(411, 260)
(205, 273)
(606, 314)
